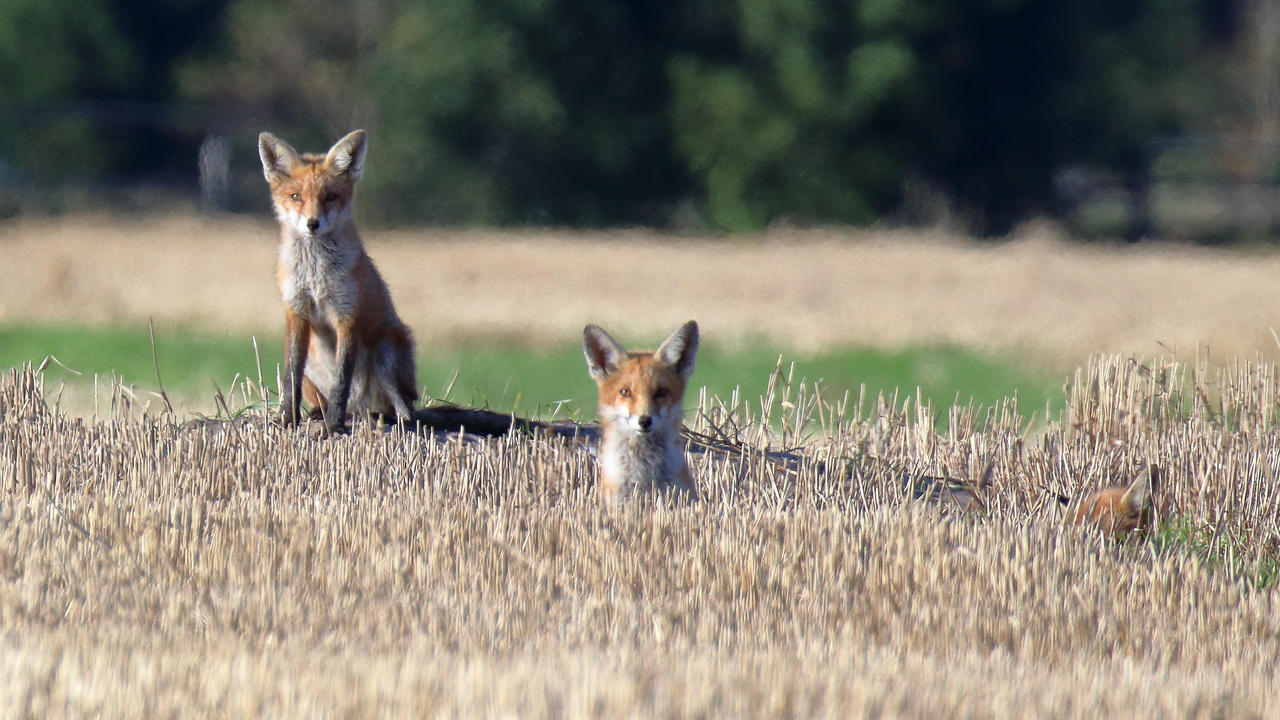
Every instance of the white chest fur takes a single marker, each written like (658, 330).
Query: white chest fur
(316, 279)
(631, 462)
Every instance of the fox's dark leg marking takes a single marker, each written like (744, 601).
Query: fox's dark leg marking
(297, 338)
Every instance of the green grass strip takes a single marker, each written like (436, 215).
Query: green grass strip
(505, 376)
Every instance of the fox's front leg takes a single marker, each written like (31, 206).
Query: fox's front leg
(336, 413)
(297, 338)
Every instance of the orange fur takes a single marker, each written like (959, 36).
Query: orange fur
(641, 412)
(344, 343)
(1120, 510)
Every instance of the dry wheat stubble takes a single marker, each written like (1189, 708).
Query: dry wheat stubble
(147, 568)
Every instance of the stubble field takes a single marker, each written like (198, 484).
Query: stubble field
(239, 569)
(150, 566)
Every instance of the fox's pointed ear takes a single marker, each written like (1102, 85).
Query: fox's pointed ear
(347, 155)
(603, 353)
(1138, 497)
(278, 158)
(680, 349)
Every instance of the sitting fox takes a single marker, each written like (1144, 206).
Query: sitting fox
(344, 344)
(641, 412)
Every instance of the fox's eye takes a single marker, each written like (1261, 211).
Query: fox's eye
(625, 392)
(330, 197)
(295, 197)
(660, 393)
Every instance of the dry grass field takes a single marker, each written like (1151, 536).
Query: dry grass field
(152, 568)
(801, 290)
(155, 567)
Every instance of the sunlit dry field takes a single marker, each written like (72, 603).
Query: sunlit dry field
(153, 568)
(1048, 300)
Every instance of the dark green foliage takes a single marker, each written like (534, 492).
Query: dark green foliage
(86, 89)
(731, 113)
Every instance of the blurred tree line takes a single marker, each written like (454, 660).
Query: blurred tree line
(729, 113)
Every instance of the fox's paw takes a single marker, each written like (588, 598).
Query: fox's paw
(338, 428)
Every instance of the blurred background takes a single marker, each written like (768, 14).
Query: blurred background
(1128, 117)
(950, 127)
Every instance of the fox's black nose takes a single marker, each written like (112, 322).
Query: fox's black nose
(645, 421)
(313, 223)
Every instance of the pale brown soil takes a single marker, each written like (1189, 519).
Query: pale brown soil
(801, 290)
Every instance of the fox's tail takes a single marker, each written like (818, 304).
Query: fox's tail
(388, 387)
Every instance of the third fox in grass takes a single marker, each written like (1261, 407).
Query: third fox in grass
(344, 344)
(1120, 510)
(641, 411)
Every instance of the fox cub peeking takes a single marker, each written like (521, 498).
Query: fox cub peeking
(641, 413)
(344, 344)
(1120, 510)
